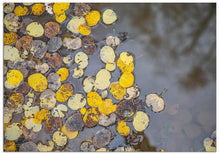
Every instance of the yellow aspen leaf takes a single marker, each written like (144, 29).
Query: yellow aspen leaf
(65, 91)
(27, 4)
(107, 107)
(77, 101)
(41, 115)
(59, 138)
(109, 16)
(94, 99)
(35, 29)
(126, 58)
(38, 82)
(83, 110)
(122, 128)
(155, 101)
(118, 92)
(38, 9)
(44, 148)
(14, 76)
(60, 8)
(126, 80)
(107, 54)
(102, 79)
(10, 38)
(111, 66)
(63, 73)
(91, 117)
(125, 68)
(92, 18)
(10, 146)
(140, 121)
(9, 7)
(15, 100)
(13, 132)
(74, 23)
(20, 11)
(68, 133)
(84, 29)
(61, 17)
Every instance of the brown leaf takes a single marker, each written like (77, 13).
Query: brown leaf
(51, 29)
(75, 122)
(24, 43)
(88, 45)
(54, 59)
(53, 124)
(81, 9)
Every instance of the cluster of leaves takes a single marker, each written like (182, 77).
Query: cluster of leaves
(37, 77)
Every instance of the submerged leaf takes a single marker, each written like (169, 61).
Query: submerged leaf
(59, 111)
(109, 16)
(54, 59)
(75, 122)
(88, 45)
(38, 9)
(140, 121)
(102, 138)
(51, 29)
(28, 147)
(65, 91)
(54, 44)
(38, 48)
(48, 99)
(68, 133)
(38, 82)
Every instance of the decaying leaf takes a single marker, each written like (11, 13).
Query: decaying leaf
(43, 68)
(125, 109)
(9, 7)
(49, 7)
(51, 29)
(41, 115)
(12, 54)
(87, 146)
(94, 99)
(140, 121)
(208, 145)
(77, 73)
(126, 80)
(38, 82)
(54, 59)
(63, 73)
(75, 122)
(104, 94)
(48, 99)
(15, 100)
(61, 17)
(81, 59)
(54, 44)
(68, 133)
(12, 23)
(107, 121)
(88, 45)
(102, 138)
(102, 79)
(35, 29)
(29, 111)
(28, 147)
(72, 43)
(38, 48)
(14, 77)
(155, 101)
(84, 29)
(60, 8)
(123, 129)
(30, 124)
(24, 43)
(102, 150)
(67, 60)
(91, 117)
(20, 11)
(107, 54)
(81, 9)
(65, 91)
(38, 9)
(109, 17)
(59, 138)
(133, 92)
(7, 115)
(59, 111)
(92, 18)
(13, 132)
(53, 80)
(45, 148)
(111, 66)
(29, 134)
(112, 41)
(10, 38)
(125, 68)
(9, 146)
(118, 92)
(74, 23)
(23, 88)
(107, 107)
(76, 101)
(53, 124)
(88, 84)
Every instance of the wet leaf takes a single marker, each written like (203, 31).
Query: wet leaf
(126, 58)
(41, 115)
(102, 150)
(111, 66)
(140, 121)
(84, 29)
(63, 73)
(30, 124)
(94, 99)
(11, 53)
(88, 84)
(107, 54)
(30, 134)
(207, 143)
(109, 17)
(102, 79)
(38, 82)
(61, 17)
(102, 138)
(88, 45)
(112, 41)
(68, 133)
(104, 94)
(81, 59)
(28, 147)
(92, 18)
(60, 8)
(9, 146)
(75, 122)
(77, 73)
(13, 132)
(48, 99)
(9, 7)
(59, 111)
(53, 124)
(53, 80)
(14, 77)
(72, 43)
(43, 68)
(107, 107)
(15, 100)
(45, 148)
(125, 68)
(74, 23)
(51, 29)
(11, 22)
(28, 4)
(118, 92)
(54, 59)
(83, 110)
(107, 121)
(10, 38)
(65, 91)
(87, 146)
(125, 109)
(24, 43)
(67, 60)
(35, 29)
(7, 115)
(23, 88)
(81, 9)
(49, 7)
(155, 101)
(54, 44)
(29, 111)
(76, 101)
(133, 92)
(126, 80)
(38, 48)
(91, 117)
(20, 11)
(38, 9)
(123, 129)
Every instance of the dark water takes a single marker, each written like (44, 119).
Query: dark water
(175, 48)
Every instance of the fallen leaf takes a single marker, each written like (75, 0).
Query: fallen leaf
(59, 111)
(118, 92)
(109, 17)
(59, 138)
(88, 84)
(20, 11)
(74, 23)
(10, 38)
(9, 7)
(123, 129)
(125, 109)
(107, 54)
(12, 54)
(38, 48)
(76, 101)
(24, 43)
(155, 101)
(11, 22)
(14, 76)
(75, 122)
(140, 121)
(54, 59)
(107, 121)
(112, 41)
(133, 92)
(54, 44)
(72, 43)
(45, 148)
(81, 9)
(38, 9)
(92, 18)
(88, 45)
(65, 91)
(84, 29)
(51, 29)
(87, 146)
(53, 80)
(9, 146)
(49, 7)
(48, 99)
(126, 80)
(77, 73)
(53, 124)
(94, 99)
(107, 107)
(102, 138)
(38, 82)
(63, 73)
(81, 59)
(91, 117)
(35, 29)
(13, 132)
(28, 147)
(102, 79)
(30, 124)
(43, 68)
(68, 133)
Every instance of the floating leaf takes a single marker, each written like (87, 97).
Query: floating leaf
(109, 16)
(107, 54)
(59, 138)
(12, 23)
(75, 122)
(87, 146)
(74, 23)
(28, 4)
(102, 150)
(14, 77)
(88, 45)
(7, 115)
(83, 110)
(208, 145)
(94, 99)
(81, 9)
(60, 8)
(72, 43)
(81, 59)
(30, 111)
(41, 115)
(43, 68)
(107, 107)
(68, 133)
(54, 44)
(102, 79)
(45, 148)
(20, 11)
(123, 129)
(15, 100)
(133, 92)
(126, 58)
(38, 48)
(118, 92)
(24, 43)
(111, 66)
(77, 73)
(35, 29)
(65, 91)
(63, 73)
(88, 84)
(112, 41)
(53, 80)
(92, 18)
(29, 134)
(38, 9)
(104, 94)
(51, 29)
(54, 59)
(125, 109)
(140, 121)
(126, 80)
(53, 124)
(102, 138)
(125, 68)
(11, 54)
(91, 117)
(107, 121)
(61, 17)
(13, 132)
(155, 101)
(59, 111)
(10, 38)
(84, 29)
(67, 60)
(38, 82)
(76, 101)
(48, 99)
(28, 147)
(30, 124)
(9, 146)
(9, 7)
